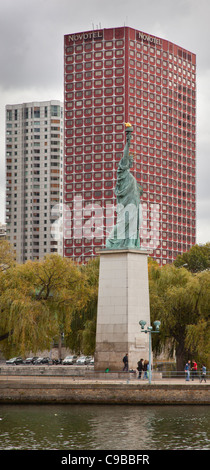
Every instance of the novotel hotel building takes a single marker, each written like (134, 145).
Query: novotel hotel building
(119, 75)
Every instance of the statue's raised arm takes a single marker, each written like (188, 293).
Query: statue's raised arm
(126, 156)
(125, 233)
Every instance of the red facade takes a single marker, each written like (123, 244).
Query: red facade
(113, 76)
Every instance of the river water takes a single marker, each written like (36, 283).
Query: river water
(99, 427)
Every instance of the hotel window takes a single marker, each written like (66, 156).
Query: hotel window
(98, 45)
(108, 82)
(120, 71)
(88, 158)
(108, 91)
(119, 90)
(98, 55)
(108, 72)
(98, 74)
(108, 44)
(88, 65)
(88, 56)
(98, 101)
(98, 110)
(109, 110)
(78, 67)
(119, 52)
(108, 53)
(78, 48)
(108, 63)
(98, 157)
(98, 175)
(119, 99)
(119, 43)
(78, 85)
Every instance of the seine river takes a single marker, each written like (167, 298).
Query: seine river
(95, 427)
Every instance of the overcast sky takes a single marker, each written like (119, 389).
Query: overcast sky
(31, 60)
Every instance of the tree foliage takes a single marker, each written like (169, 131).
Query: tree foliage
(7, 255)
(180, 300)
(21, 313)
(198, 334)
(83, 325)
(38, 301)
(42, 300)
(196, 259)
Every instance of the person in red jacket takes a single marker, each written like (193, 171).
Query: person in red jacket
(194, 370)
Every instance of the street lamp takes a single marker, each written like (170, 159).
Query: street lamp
(149, 330)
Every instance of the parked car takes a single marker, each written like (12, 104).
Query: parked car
(88, 359)
(82, 360)
(92, 362)
(57, 361)
(31, 360)
(42, 360)
(15, 360)
(69, 360)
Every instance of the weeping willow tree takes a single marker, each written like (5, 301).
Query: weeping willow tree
(181, 301)
(38, 300)
(198, 334)
(7, 255)
(82, 334)
(21, 313)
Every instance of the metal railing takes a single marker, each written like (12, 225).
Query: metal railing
(192, 376)
(88, 374)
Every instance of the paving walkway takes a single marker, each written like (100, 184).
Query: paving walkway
(50, 374)
(83, 380)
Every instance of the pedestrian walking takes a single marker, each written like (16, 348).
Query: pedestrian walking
(140, 367)
(203, 373)
(187, 371)
(125, 360)
(194, 370)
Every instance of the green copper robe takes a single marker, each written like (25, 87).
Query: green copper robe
(125, 233)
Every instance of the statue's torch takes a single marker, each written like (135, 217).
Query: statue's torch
(128, 127)
(128, 130)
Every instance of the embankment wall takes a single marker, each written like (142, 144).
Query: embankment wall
(104, 393)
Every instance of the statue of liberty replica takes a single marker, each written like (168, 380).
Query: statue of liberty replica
(123, 294)
(125, 233)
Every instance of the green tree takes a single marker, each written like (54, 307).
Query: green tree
(38, 300)
(82, 334)
(89, 337)
(22, 315)
(7, 261)
(196, 259)
(174, 296)
(198, 334)
(7, 255)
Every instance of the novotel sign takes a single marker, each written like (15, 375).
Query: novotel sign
(148, 38)
(85, 36)
(89, 35)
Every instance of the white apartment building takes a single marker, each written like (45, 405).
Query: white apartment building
(34, 181)
(2, 231)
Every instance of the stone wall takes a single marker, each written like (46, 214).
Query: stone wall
(93, 393)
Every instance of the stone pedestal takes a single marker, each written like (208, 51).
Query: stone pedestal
(123, 300)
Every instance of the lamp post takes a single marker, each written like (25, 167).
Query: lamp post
(150, 330)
